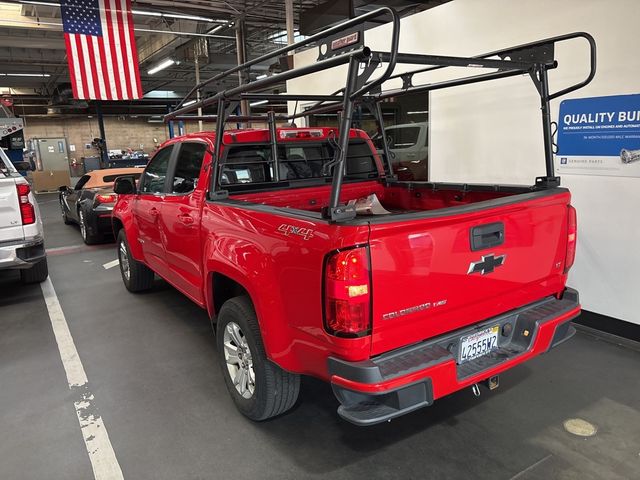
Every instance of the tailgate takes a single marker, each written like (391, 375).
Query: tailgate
(427, 278)
(10, 219)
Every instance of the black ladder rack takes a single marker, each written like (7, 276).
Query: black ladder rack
(343, 44)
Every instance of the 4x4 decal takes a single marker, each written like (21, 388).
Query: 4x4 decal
(303, 232)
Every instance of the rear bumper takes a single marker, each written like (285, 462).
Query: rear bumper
(22, 253)
(410, 378)
(100, 220)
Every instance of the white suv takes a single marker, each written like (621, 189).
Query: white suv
(21, 232)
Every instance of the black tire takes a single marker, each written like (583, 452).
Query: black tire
(140, 277)
(275, 390)
(65, 217)
(87, 237)
(36, 274)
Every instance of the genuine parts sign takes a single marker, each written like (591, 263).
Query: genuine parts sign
(599, 136)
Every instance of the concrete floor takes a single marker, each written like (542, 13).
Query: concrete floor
(151, 364)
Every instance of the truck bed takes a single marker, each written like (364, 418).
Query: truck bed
(424, 253)
(396, 197)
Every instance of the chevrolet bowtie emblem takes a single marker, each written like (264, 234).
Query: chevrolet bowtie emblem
(487, 265)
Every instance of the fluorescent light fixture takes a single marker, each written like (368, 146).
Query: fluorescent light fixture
(47, 4)
(163, 94)
(176, 15)
(39, 75)
(161, 66)
(259, 102)
(190, 102)
(418, 112)
(215, 29)
(187, 17)
(260, 77)
(146, 14)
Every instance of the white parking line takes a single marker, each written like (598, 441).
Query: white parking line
(111, 264)
(96, 439)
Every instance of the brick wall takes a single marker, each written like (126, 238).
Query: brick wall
(120, 133)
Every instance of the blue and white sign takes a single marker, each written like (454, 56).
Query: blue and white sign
(599, 136)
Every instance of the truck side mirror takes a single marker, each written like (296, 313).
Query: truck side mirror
(124, 185)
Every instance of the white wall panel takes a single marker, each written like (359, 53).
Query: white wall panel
(491, 132)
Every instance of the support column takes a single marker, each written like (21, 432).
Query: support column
(241, 48)
(104, 153)
(197, 64)
(290, 25)
(170, 124)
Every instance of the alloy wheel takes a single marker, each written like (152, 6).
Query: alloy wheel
(239, 360)
(83, 226)
(123, 256)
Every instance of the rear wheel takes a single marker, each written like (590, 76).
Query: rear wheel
(65, 217)
(259, 388)
(137, 277)
(87, 237)
(36, 274)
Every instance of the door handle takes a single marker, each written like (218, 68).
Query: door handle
(487, 236)
(186, 219)
(153, 211)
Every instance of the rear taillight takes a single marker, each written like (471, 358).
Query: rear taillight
(347, 293)
(27, 210)
(572, 238)
(106, 198)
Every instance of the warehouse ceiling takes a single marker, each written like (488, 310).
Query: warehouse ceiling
(33, 58)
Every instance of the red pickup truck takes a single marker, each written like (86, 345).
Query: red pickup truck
(455, 285)
(311, 258)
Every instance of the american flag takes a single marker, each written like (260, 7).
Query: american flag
(101, 49)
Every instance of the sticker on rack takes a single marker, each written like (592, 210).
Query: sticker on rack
(303, 232)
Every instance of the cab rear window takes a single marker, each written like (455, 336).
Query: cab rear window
(253, 164)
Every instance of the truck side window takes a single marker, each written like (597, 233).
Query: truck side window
(155, 174)
(188, 165)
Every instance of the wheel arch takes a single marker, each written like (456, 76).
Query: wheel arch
(116, 226)
(128, 226)
(222, 287)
